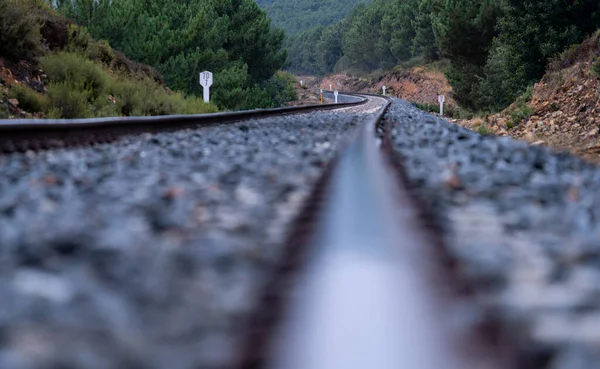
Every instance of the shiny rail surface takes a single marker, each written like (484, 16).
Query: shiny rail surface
(364, 290)
(34, 134)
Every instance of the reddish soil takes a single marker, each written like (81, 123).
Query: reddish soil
(420, 84)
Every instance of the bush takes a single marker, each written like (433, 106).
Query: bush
(520, 109)
(67, 103)
(29, 100)
(449, 110)
(101, 51)
(3, 110)
(20, 36)
(148, 98)
(596, 68)
(79, 38)
(484, 130)
(76, 71)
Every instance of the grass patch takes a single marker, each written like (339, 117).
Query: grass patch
(449, 111)
(68, 103)
(29, 100)
(3, 109)
(596, 68)
(484, 130)
(520, 110)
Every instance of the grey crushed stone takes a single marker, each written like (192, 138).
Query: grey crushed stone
(523, 222)
(148, 252)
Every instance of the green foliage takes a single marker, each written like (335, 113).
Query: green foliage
(67, 102)
(449, 110)
(80, 87)
(375, 36)
(3, 109)
(484, 130)
(531, 32)
(232, 38)
(495, 49)
(596, 68)
(296, 16)
(520, 110)
(464, 31)
(20, 35)
(75, 71)
(29, 100)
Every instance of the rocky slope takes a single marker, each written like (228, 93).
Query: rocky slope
(420, 84)
(563, 108)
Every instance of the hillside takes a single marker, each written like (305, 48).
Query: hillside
(299, 15)
(562, 110)
(494, 50)
(51, 68)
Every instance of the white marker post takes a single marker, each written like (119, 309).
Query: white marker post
(302, 83)
(441, 99)
(335, 95)
(383, 90)
(330, 87)
(206, 80)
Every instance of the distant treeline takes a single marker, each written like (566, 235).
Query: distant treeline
(496, 49)
(231, 38)
(299, 15)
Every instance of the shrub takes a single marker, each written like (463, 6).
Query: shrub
(148, 98)
(29, 100)
(67, 103)
(20, 36)
(449, 110)
(484, 130)
(101, 51)
(79, 38)
(76, 71)
(3, 110)
(596, 68)
(520, 110)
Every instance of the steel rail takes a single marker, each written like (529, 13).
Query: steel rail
(365, 289)
(25, 134)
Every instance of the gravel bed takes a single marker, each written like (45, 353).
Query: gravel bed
(523, 222)
(148, 252)
(370, 107)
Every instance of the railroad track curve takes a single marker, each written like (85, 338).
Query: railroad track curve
(25, 134)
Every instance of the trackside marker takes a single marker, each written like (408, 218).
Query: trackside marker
(206, 80)
(335, 94)
(383, 90)
(441, 100)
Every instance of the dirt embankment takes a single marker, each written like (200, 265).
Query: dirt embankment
(419, 84)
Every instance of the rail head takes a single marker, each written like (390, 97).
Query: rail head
(364, 292)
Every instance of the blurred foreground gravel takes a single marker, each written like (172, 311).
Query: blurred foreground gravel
(524, 223)
(148, 252)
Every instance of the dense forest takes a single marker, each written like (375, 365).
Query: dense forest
(294, 16)
(495, 49)
(232, 38)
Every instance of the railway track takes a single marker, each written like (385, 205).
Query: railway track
(199, 248)
(370, 288)
(34, 134)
